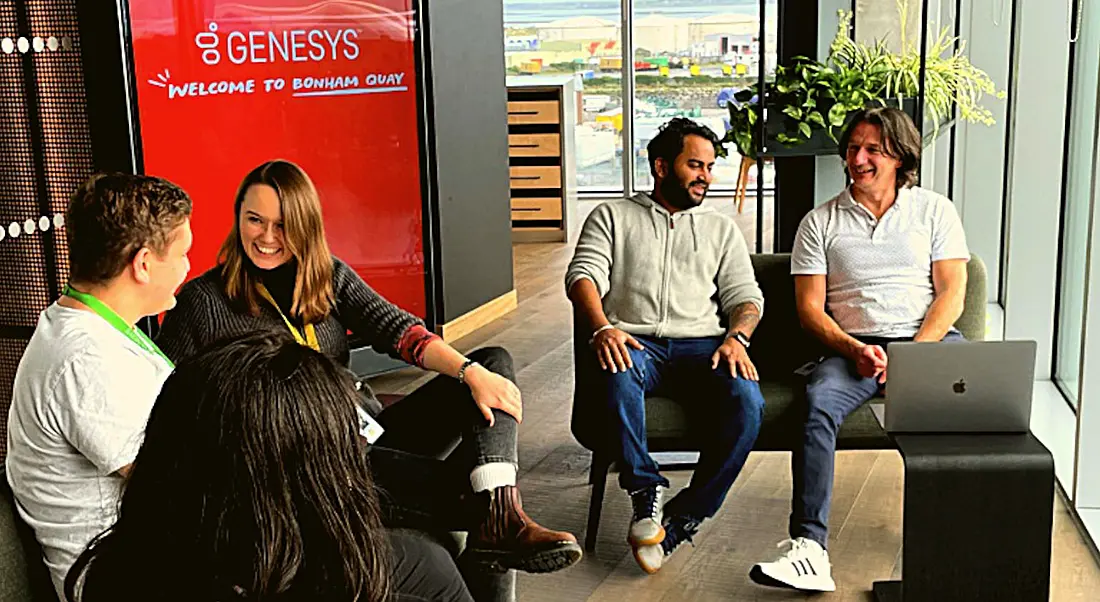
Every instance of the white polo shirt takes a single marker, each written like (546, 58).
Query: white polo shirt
(879, 271)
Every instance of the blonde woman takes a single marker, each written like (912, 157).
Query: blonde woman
(275, 271)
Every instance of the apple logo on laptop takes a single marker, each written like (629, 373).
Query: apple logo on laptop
(959, 386)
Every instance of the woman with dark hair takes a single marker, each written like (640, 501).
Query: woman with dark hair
(242, 492)
(275, 271)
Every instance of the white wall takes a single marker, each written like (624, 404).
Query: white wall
(1087, 494)
(1087, 490)
(978, 192)
(936, 158)
(1037, 129)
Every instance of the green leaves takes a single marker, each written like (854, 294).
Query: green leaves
(950, 80)
(809, 95)
(837, 115)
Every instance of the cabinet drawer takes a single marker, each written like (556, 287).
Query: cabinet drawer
(536, 209)
(535, 176)
(533, 111)
(534, 145)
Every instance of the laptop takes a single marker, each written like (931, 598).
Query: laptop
(959, 387)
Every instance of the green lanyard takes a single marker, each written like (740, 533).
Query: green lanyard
(134, 334)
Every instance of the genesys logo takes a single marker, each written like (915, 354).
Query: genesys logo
(287, 46)
(322, 47)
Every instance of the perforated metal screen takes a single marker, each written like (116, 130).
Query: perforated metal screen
(45, 152)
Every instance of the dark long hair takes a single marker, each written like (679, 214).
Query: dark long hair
(250, 485)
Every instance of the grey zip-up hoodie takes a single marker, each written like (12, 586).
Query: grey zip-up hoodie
(667, 275)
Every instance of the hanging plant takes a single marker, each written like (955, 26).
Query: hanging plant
(814, 97)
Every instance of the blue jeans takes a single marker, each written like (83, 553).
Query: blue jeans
(834, 391)
(732, 409)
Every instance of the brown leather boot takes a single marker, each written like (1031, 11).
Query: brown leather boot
(508, 539)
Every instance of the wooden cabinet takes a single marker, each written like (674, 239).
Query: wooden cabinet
(542, 174)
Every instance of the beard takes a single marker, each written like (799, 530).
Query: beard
(679, 195)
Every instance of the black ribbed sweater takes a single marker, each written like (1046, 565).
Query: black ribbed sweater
(204, 314)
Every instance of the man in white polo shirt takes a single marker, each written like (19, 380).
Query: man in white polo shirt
(884, 261)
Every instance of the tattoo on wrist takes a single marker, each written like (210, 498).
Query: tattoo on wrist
(744, 317)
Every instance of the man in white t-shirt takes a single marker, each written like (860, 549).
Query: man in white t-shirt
(884, 261)
(88, 378)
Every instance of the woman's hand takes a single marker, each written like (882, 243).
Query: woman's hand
(491, 390)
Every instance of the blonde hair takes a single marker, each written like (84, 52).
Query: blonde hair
(304, 234)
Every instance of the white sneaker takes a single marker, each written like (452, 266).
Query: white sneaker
(650, 558)
(803, 565)
(645, 524)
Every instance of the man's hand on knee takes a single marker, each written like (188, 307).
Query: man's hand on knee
(612, 347)
(737, 357)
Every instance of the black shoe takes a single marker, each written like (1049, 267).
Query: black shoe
(645, 523)
(679, 529)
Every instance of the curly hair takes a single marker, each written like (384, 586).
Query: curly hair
(113, 216)
(669, 141)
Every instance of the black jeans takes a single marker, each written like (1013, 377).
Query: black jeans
(423, 570)
(434, 437)
(435, 418)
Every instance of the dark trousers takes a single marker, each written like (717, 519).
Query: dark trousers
(422, 571)
(729, 407)
(433, 438)
(435, 418)
(834, 391)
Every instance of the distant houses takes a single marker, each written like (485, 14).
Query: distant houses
(584, 40)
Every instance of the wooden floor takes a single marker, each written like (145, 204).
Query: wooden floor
(865, 542)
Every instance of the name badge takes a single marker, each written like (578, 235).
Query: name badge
(368, 426)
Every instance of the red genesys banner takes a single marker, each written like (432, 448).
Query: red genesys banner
(225, 85)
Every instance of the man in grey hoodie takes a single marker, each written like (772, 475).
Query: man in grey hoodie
(669, 295)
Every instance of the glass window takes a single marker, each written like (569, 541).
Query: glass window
(1079, 177)
(689, 57)
(688, 61)
(551, 37)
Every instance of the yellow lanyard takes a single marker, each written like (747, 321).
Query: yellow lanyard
(310, 339)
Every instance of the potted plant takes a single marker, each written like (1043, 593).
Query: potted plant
(816, 99)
